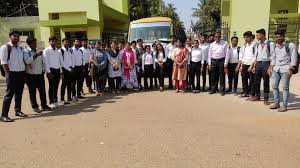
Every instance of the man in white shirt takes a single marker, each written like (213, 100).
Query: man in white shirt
(169, 63)
(204, 46)
(283, 64)
(35, 75)
(262, 64)
(78, 70)
(233, 70)
(12, 61)
(53, 63)
(67, 57)
(247, 59)
(139, 53)
(86, 57)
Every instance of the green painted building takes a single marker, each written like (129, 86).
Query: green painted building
(239, 16)
(94, 19)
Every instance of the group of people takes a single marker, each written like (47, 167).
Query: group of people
(125, 64)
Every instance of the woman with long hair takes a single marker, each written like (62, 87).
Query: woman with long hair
(129, 78)
(160, 59)
(180, 58)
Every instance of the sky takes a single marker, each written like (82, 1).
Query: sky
(184, 10)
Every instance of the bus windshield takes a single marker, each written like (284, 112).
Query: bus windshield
(149, 32)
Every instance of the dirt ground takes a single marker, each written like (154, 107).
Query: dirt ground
(154, 130)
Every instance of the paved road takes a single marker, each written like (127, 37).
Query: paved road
(156, 130)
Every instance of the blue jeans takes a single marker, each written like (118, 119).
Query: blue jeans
(277, 76)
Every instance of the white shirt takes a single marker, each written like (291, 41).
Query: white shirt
(263, 53)
(197, 55)
(204, 47)
(248, 53)
(160, 57)
(52, 59)
(34, 66)
(78, 57)
(16, 60)
(67, 58)
(169, 49)
(281, 60)
(234, 55)
(148, 59)
(86, 54)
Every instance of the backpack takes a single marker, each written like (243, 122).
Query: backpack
(268, 48)
(63, 52)
(288, 51)
(8, 58)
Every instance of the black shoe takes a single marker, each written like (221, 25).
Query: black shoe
(6, 119)
(212, 92)
(46, 108)
(222, 93)
(228, 90)
(69, 99)
(217, 90)
(91, 91)
(65, 102)
(80, 97)
(21, 114)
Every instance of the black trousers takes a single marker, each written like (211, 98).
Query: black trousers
(139, 73)
(53, 85)
(188, 75)
(156, 76)
(77, 82)
(195, 70)
(169, 71)
(14, 87)
(204, 75)
(217, 74)
(161, 77)
(101, 82)
(261, 71)
(36, 82)
(148, 74)
(233, 76)
(248, 81)
(66, 83)
(86, 76)
(114, 83)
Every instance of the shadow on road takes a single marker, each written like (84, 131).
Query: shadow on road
(87, 105)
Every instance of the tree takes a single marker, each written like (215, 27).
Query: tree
(18, 8)
(208, 13)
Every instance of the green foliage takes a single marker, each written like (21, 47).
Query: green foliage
(208, 13)
(13, 8)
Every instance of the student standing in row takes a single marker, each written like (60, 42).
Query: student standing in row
(86, 57)
(217, 61)
(68, 62)
(233, 70)
(263, 56)
(283, 63)
(210, 40)
(160, 59)
(114, 68)
(129, 78)
(139, 53)
(100, 59)
(53, 62)
(148, 67)
(156, 72)
(247, 60)
(180, 58)
(35, 75)
(12, 60)
(169, 64)
(204, 46)
(78, 70)
(196, 62)
(188, 46)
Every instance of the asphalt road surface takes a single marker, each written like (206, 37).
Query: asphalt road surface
(155, 130)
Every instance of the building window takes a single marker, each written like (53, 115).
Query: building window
(29, 34)
(54, 16)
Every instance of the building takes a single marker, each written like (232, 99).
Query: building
(239, 16)
(94, 19)
(104, 20)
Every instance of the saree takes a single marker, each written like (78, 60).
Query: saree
(180, 72)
